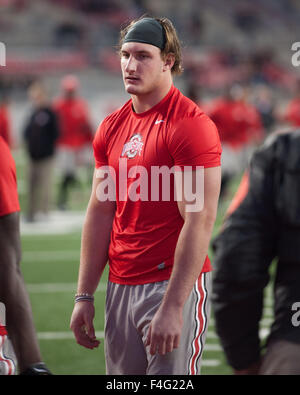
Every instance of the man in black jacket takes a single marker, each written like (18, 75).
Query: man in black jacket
(40, 136)
(263, 229)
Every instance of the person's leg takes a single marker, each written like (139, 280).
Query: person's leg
(231, 165)
(185, 360)
(46, 184)
(7, 364)
(20, 324)
(32, 190)
(196, 319)
(67, 164)
(13, 295)
(68, 180)
(282, 358)
(124, 350)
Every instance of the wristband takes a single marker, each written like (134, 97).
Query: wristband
(84, 296)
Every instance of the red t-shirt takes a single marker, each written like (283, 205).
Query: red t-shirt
(145, 232)
(74, 123)
(9, 202)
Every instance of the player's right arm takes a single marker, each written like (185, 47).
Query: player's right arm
(94, 255)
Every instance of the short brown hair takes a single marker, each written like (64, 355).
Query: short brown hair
(172, 41)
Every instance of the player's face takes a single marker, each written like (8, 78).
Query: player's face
(142, 68)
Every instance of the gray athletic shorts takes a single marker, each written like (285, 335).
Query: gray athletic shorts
(129, 311)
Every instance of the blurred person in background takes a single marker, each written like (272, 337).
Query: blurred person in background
(265, 104)
(240, 128)
(76, 136)
(40, 135)
(292, 115)
(5, 122)
(262, 227)
(13, 294)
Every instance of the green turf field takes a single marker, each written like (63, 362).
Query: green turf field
(50, 267)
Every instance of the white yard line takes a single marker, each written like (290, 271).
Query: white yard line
(212, 347)
(211, 335)
(210, 363)
(266, 322)
(264, 332)
(63, 335)
(58, 222)
(268, 312)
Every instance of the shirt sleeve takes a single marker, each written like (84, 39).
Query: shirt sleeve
(99, 147)
(195, 141)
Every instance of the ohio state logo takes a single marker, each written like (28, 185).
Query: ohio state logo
(133, 147)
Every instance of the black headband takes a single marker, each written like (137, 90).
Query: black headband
(148, 31)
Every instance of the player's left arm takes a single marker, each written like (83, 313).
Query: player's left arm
(191, 250)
